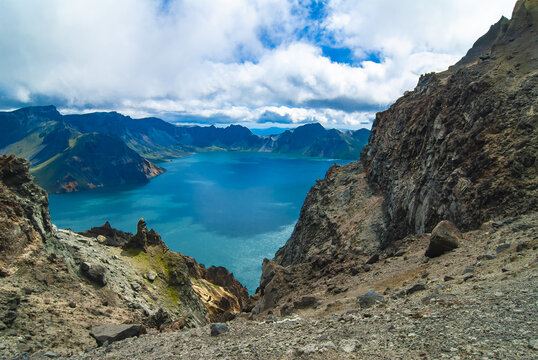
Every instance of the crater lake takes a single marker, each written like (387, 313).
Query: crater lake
(228, 209)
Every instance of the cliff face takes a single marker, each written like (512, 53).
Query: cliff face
(24, 215)
(106, 277)
(462, 147)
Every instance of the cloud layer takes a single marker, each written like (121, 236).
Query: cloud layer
(242, 61)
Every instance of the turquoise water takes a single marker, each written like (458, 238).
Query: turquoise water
(227, 209)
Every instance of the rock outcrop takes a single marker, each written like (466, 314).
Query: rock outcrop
(24, 216)
(461, 147)
(144, 238)
(56, 284)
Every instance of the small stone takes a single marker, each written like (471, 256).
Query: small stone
(522, 246)
(50, 354)
(469, 269)
(486, 257)
(521, 226)
(400, 253)
(135, 286)
(94, 272)
(533, 344)
(415, 288)
(218, 328)
(304, 302)
(349, 345)
(151, 275)
(502, 248)
(425, 275)
(369, 299)
(101, 239)
(373, 259)
(72, 304)
(448, 278)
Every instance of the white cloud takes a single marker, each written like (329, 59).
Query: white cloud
(210, 57)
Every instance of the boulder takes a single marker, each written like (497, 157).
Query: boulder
(218, 328)
(445, 237)
(304, 302)
(369, 299)
(94, 272)
(112, 332)
(151, 275)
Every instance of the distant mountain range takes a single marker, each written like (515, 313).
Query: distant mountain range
(75, 152)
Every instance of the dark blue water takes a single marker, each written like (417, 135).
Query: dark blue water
(223, 208)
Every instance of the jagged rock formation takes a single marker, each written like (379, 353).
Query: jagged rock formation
(108, 235)
(24, 216)
(461, 147)
(144, 238)
(57, 284)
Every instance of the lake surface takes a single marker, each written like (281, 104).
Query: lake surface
(227, 209)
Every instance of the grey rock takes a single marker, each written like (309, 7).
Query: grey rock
(218, 328)
(369, 299)
(110, 333)
(522, 246)
(94, 272)
(445, 237)
(151, 275)
(469, 269)
(502, 248)
(304, 302)
(373, 259)
(521, 226)
(415, 288)
(135, 286)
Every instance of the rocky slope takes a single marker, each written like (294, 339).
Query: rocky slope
(461, 147)
(57, 285)
(478, 301)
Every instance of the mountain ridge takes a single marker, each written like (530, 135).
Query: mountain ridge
(50, 140)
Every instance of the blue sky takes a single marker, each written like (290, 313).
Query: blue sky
(232, 61)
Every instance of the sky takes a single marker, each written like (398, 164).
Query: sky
(259, 63)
